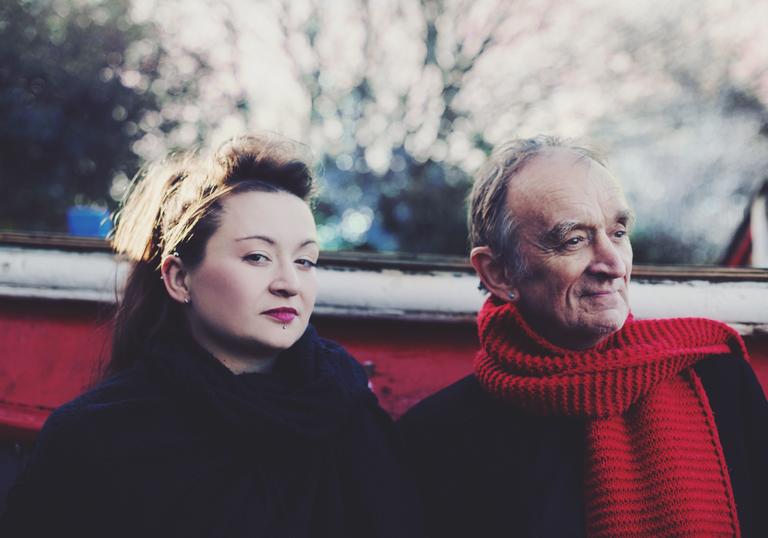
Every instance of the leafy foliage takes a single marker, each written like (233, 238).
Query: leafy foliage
(70, 105)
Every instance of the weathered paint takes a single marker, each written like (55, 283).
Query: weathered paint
(385, 292)
(413, 327)
(52, 350)
(49, 352)
(407, 360)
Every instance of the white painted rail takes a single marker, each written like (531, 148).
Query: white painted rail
(414, 294)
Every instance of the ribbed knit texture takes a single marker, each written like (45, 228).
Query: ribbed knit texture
(654, 464)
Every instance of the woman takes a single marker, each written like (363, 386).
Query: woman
(223, 413)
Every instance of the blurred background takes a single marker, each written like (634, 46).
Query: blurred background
(400, 102)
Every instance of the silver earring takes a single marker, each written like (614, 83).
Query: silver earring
(186, 300)
(511, 295)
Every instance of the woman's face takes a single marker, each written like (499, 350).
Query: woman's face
(255, 289)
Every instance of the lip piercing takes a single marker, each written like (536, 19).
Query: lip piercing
(283, 327)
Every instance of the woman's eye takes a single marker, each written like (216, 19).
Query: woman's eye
(256, 258)
(620, 233)
(306, 263)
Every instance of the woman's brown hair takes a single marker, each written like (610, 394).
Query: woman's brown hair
(173, 207)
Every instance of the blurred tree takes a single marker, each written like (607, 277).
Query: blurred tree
(403, 100)
(404, 145)
(406, 99)
(75, 91)
(691, 138)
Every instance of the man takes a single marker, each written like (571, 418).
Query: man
(580, 420)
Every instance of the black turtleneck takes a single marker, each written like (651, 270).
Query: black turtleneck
(180, 446)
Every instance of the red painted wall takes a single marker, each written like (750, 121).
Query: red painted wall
(411, 360)
(50, 351)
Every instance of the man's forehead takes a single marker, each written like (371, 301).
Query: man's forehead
(556, 167)
(557, 164)
(562, 185)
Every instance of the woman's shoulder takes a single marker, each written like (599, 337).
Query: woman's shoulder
(75, 454)
(346, 368)
(100, 408)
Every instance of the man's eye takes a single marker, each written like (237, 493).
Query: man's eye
(620, 233)
(572, 243)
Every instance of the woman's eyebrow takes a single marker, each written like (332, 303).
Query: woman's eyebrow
(264, 238)
(271, 241)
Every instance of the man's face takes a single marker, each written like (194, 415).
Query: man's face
(573, 230)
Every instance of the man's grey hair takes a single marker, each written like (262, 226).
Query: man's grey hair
(490, 222)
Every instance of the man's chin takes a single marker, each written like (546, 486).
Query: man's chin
(603, 323)
(611, 321)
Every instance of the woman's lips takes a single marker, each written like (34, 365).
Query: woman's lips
(283, 315)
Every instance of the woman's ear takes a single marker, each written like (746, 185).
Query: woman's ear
(493, 274)
(175, 279)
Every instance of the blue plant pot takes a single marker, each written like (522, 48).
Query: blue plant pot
(88, 221)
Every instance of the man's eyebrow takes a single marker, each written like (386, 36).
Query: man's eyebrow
(626, 217)
(559, 231)
(271, 241)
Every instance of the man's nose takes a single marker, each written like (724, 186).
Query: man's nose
(285, 281)
(607, 258)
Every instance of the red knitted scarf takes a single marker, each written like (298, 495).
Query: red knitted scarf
(654, 464)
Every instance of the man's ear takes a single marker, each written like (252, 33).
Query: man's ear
(492, 274)
(175, 279)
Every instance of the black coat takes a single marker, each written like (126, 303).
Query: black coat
(488, 470)
(166, 449)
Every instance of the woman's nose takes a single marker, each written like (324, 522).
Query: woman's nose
(285, 281)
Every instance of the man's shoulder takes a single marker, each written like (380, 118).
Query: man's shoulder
(452, 406)
(730, 382)
(729, 365)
